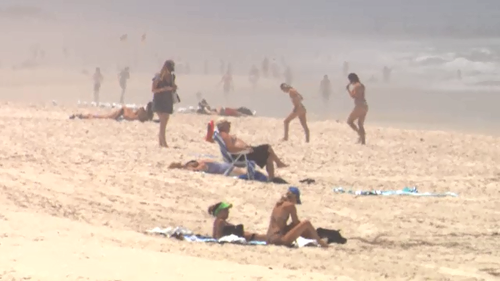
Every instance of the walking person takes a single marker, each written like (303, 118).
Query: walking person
(97, 84)
(357, 92)
(164, 89)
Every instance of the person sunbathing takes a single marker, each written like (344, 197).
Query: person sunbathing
(281, 233)
(142, 114)
(263, 155)
(222, 227)
(205, 108)
(209, 166)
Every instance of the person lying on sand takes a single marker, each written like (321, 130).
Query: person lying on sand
(205, 108)
(263, 155)
(142, 114)
(222, 227)
(281, 233)
(209, 166)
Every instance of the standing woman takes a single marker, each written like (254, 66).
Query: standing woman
(357, 92)
(164, 88)
(299, 110)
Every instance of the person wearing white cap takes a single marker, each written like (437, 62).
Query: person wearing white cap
(263, 155)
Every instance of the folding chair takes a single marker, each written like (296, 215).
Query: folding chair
(240, 160)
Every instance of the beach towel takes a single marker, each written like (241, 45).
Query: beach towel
(407, 191)
(185, 234)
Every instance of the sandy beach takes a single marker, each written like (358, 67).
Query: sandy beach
(77, 195)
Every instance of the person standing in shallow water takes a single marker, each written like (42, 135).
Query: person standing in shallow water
(357, 92)
(299, 110)
(97, 84)
(123, 78)
(164, 88)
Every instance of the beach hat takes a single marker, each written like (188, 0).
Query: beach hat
(296, 192)
(221, 207)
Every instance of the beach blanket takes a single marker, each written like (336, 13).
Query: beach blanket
(407, 191)
(185, 234)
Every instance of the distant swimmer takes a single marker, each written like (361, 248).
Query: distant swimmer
(326, 90)
(459, 75)
(275, 69)
(254, 76)
(222, 67)
(227, 84)
(142, 114)
(345, 68)
(123, 78)
(299, 110)
(98, 78)
(265, 67)
(386, 74)
(288, 75)
(357, 92)
(205, 67)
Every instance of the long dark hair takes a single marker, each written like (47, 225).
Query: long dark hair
(353, 78)
(211, 209)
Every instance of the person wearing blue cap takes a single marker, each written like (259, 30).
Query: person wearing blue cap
(281, 233)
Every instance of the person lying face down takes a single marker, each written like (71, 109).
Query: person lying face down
(205, 108)
(281, 233)
(142, 114)
(209, 166)
(222, 227)
(263, 155)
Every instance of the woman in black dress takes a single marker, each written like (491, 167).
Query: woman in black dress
(164, 88)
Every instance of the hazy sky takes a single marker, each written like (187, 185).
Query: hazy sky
(357, 17)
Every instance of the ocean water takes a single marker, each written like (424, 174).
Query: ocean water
(425, 43)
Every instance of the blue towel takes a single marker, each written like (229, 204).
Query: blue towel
(407, 191)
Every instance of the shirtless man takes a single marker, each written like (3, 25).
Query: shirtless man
(326, 90)
(263, 155)
(281, 233)
(357, 92)
(254, 76)
(299, 110)
(227, 84)
(97, 84)
(123, 78)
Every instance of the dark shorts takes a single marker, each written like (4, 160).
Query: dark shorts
(259, 155)
(163, 103)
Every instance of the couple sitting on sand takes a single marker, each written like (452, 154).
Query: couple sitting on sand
(142, 114)
(279, 232)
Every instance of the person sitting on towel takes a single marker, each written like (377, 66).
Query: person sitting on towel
(263, 155)
(281, 233)
(204, 108)
(142, 114)
(209, 166)
(223, 228)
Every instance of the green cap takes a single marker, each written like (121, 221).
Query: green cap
(221, 207)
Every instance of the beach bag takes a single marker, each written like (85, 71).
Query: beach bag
(210, 132)
(175, 96)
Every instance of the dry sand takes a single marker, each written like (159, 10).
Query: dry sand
(77, 195)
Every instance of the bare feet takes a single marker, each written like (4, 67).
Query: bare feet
(284, 139)
(281, 165)
(322, 243)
